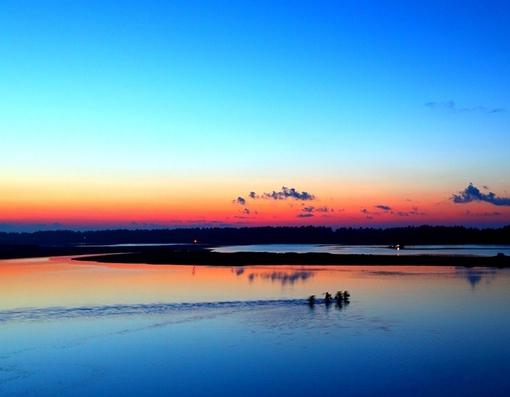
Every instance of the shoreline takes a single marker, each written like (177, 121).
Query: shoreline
(192, 255)
(203, 256)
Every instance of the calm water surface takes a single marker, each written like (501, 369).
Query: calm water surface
(89, 329)
(465, 249)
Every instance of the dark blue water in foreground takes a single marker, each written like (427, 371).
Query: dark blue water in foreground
(408, 331)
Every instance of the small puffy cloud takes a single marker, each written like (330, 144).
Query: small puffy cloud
(252, 195)
(367, 213)
(383, 207)
(240, 200)
(246, 211)
(289, 192)
(472, 193)
(309, 211)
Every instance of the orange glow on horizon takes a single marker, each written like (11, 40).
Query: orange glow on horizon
(162, 203)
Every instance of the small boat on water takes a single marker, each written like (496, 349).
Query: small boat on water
(341, 297)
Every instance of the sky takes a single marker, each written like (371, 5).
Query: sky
(146, 114)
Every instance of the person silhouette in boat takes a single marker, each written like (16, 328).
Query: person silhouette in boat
(339, 297)
(328, 298)
(311, 300)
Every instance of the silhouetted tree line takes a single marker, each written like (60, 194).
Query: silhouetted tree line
(266, 235)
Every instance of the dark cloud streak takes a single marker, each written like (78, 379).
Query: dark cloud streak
(452, 107)
(305, 215)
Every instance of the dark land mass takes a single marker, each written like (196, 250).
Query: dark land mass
(73, 243)
(36, 251)
(202, 255)
(196, 255)
(412, 235)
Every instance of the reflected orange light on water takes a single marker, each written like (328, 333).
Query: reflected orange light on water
(61, 281)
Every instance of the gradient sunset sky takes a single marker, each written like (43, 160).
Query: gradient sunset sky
(190, 113)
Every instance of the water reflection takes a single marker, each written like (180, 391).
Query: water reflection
(342, 305)
(283, 278)
(59, 313)
(472, 274)
(466, 249)
(50, 282)
(238, 271)
(75, 329)
(475, 275)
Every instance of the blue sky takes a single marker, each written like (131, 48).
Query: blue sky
(302, 93)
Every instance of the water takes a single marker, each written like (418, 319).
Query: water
(476, 250)
(130, 245)
(82, 329)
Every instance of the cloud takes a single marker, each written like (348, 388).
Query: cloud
(386, 209)
(283, 194)
(287, 192)
(368, 214)
(413, 211)
(305, 215)
(451, 106)
(245, 214)
(240, 200)
(493, 213)
(472, 193)
(311, 210)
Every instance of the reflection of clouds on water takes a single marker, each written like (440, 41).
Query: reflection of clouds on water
(472, 274)
(238, 271)
(283, 277)
(475, 275)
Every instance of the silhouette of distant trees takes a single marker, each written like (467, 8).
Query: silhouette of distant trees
(267, 235)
